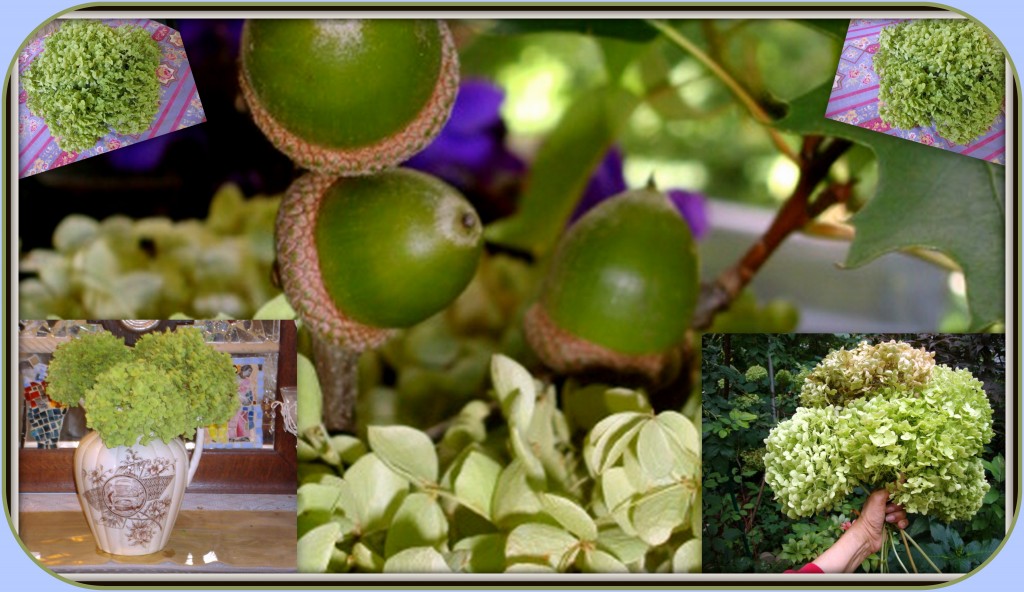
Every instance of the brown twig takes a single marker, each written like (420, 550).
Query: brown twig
(816, 158)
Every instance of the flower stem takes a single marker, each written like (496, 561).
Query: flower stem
(923, 554)
(338, 371)
(910, 555)
(737, 89)
(895, 552)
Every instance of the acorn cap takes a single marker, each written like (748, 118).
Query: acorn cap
(361, 256)
(348, 97)
(565, 353)
(299, 269)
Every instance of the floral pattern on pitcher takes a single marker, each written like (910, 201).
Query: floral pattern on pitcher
(133, 497)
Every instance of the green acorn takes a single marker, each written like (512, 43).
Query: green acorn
(360, 257)
(349, 97)
(620, 291)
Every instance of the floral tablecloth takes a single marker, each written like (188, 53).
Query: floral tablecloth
(180, 106)
(854, 98)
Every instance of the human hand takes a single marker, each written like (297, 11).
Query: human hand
(865, 536)
(876, 513)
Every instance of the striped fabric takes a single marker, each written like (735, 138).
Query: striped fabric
(854, 98)
(180, 106)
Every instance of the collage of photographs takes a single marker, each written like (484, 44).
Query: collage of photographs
(326, 296)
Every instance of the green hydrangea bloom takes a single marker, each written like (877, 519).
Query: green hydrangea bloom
(947, 72)
(77, 363)
(166, 386)
(920, 442)
(783, 378)
(756, 373)
(91, 78)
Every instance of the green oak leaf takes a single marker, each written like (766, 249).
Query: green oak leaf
(926, 198)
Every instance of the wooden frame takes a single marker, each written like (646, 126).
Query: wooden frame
(220, 471)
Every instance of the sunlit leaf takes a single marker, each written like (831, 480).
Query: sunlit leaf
(417, 560)
(309, 407)
(314, 549)
(408, 451)
(543, 543)
(570, 515)
(514, 499)
(658, 513)
(372, 494)
(475, 482)
(686, 559)
(419, 522)
(598, 561)
(486, 552)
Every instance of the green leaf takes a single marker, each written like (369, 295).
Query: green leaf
(539, 543)
(570, 515)
(408, 451)
(475, 482)
(835, 28)
(276, 308)
(419, 522)
(316, 497)
(630, 30)
(417, 560)
(927, 198)
(626, 547)
(514, 499)
(658, 513)
(598, 561)
(652, 450)
(310, 401)
(74, 232)
(687, 558)
(515, 389)
(524, 453)
(315, 547)
(486, 553)
(562, 168)
(609, 438)
(366, 559)
(617, 489)
(372, 493)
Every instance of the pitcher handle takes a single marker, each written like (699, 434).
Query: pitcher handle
(197, 452)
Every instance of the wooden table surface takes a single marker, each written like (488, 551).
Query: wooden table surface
(202, 541)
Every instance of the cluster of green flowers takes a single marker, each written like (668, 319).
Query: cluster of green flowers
(756, 373)
(845, 375)
(950, 72)
(92, 78)
(783, 378)
(168, 385)
(920, 441)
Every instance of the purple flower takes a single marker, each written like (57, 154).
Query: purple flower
(608, 181)
(693, 207)
(470, 151)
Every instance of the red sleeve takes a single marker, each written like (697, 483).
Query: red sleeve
(809, 568)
